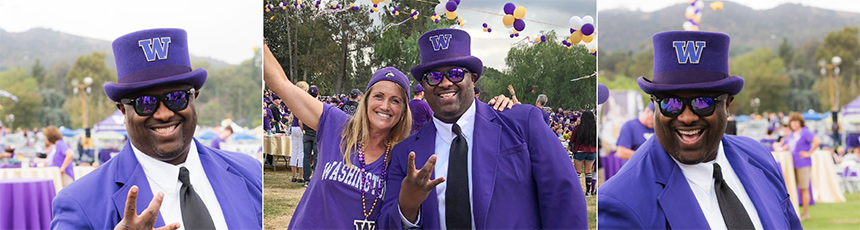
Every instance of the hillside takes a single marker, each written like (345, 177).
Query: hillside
(747, 27)
(52, 47)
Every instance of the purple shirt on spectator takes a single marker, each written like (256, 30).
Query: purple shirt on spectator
(421, 114)
(216, 143)
(633, 134)
(333, 199)
(267, 120)
(801, 141)
(768, 143)
(60, 156)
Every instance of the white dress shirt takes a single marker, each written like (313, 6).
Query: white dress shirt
(444, 136)
(700, 177)
(164, 177)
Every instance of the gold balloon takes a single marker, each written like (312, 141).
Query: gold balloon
(587, 38)
(520, 12)
(717, 5)
(451, 15)
(575, 37)
(508, 20)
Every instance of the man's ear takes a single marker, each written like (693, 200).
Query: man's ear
(121, 108)
(729, 102)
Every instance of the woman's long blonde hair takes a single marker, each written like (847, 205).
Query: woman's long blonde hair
(357, 130)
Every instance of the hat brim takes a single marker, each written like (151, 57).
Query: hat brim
(731, 85)
(115, 91)
(473, 63)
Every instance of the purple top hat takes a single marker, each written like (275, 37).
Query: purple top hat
(390, 74)
(446, 47)
(602, 93)
(150, 58)
(691, 60)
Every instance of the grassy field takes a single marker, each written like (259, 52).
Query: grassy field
(835, 215)
(280, 198)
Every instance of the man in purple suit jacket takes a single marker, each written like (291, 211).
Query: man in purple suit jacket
(690, 175)
(482, 169)
(162, 175)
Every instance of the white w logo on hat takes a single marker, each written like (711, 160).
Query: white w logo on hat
(155, 49)
(686, 51)
(440, 42)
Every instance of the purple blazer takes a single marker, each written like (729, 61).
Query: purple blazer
(60, 156)
(522, 177)
(97, 201)
(651, 192)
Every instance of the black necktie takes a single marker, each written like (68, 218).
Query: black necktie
(194, 212)
(733, 211)
(458, 210)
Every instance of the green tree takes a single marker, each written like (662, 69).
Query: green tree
(98, 106)
(800, 96)
(26, 109)
(547, 68)
(786, 52)
(845, 44)
(52, 112)
(764, 78)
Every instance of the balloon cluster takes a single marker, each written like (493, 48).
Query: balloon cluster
(581, 30)
(514, 18)
(297, 4)
(412, 14)
(447, 8)
(376, 4)
(487, 28)
(693, 15)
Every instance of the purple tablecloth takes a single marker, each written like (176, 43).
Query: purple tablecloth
(611, 165)
(25, 203)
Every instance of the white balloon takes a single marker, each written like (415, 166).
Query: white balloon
(591, 45)
(587, 20)
(687, 25)
(691, 10)
(387, 1)
(700, 4)
(575, 22)
(440, 9)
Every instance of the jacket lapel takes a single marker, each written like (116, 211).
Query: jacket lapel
(230, 190)
(485, 155)
(128, 173)
(424, 146)
(677, 201)
(750, 175)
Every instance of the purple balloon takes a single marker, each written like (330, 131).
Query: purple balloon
(489, 30)
(572, 30)
(509, 8)
(354, 8)
(395, 8)
(517, 35)
(519, 25)
(485, 25)
(542, 38)
(587, 29)
(512, 35)
(436, 21)
(564, 42)
(457, 1)
(451, 6)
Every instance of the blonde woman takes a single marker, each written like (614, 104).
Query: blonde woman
(347, 189)
(295, 131)
(59, 154)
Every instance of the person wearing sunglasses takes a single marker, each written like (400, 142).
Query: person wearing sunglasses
(473, 166)
(690, 175)
(163, 178)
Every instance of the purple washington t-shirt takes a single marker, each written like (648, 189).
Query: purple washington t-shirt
(421, 114)
(333, 199)
(801, 141)
(633, 134)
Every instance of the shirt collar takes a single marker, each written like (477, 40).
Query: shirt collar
(702, 174)
(466, 123)
(165, 174)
